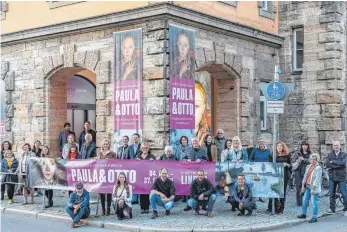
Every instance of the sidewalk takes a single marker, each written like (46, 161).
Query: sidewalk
(223, 219)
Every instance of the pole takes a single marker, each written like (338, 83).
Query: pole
(274, 139)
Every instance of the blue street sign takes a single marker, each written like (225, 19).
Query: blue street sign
(276, 90)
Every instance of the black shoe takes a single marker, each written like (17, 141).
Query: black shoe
(204, 208)
(302, 216)
(167, 212)
(184, 199)
(48, 206)
(233, 209)
(142, 211)
(228, 200)
(146, 210)
(240, 214)
(154, 215)
(313, 220)
(249, 212)
(197, 211)
(108, 211)
(134, 202)
(187, 208)
(261, 200)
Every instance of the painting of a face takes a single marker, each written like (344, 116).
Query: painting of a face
(200, 106)
(183, 46)
(128, 47)
(49, 168)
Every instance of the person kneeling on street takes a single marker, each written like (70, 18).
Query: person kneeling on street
(202, 194)
(78, 206)
(163, 193)
(242, 197)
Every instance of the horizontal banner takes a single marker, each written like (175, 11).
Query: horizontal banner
(101, 175)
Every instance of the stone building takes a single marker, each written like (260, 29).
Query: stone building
(39, 60)
(313, 56)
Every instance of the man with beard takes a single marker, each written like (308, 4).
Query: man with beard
(78, 206)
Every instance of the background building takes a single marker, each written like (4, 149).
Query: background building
(313, 57)
(51, 61)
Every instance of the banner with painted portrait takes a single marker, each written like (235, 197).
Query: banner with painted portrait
(202, 105)
(182, 91)
(128, 84)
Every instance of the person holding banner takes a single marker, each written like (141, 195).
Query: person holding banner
(198, 154)
(202, 193)
(122, 195)
(282, 156)
(144, 155)
(48, 192)
(78, 205)
(168, 154)
(105, 153)
(242, 197)
(123, 152)
(9, 165)
(23, 171)
(162, 193)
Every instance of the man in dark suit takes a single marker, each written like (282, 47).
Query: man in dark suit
(87, 129)
(63, 136)
(88, 149)
(134, 149)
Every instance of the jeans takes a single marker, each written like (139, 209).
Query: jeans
(332, 189)
(195, 203)
(155, 200)
(134, 197)
(81, 213)
(305, 203)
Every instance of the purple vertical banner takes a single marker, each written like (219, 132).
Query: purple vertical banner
(182, 91)
(127, 84)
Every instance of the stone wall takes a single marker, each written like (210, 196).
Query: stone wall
(316, 109)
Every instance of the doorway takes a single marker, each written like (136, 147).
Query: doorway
(81, 105)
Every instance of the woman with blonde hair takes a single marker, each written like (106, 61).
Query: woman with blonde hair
(122, 195)
(282, 156)
(105, 153)
(238, 153)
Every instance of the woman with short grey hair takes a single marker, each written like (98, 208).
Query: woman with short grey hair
(168, 154)
(311, 187)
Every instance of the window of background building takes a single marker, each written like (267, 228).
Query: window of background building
(298, 49)
(263, 112)
(267, 9)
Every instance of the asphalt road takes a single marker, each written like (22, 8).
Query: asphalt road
(332, 223)
(11, 223)
(14, 223)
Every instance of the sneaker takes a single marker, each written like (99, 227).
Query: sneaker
(330, 212)
(302, 216)
(167, 212)
(78, 224)
(313, 220)
(10, 201)
(36, 194)
(187, 208)
(154, 215)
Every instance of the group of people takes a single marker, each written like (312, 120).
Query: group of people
(305, 165)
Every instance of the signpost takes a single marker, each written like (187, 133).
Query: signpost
(275, 93)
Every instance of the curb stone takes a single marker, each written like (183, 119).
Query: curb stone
(118, 226)
(111, 225)
(19, 211)
(151, 229)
